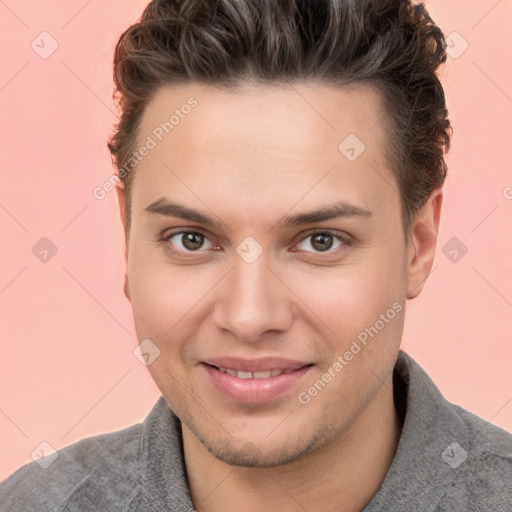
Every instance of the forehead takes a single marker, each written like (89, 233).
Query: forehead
(295, 117)
(263, 140)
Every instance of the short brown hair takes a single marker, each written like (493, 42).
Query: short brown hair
(391, 44)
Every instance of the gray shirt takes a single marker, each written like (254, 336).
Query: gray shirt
(447, 460)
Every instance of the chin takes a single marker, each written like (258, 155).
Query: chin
(252, 456)
(260, 453)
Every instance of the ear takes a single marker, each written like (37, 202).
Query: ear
(421, 245)
(121, 198)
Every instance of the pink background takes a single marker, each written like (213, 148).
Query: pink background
(67, 367)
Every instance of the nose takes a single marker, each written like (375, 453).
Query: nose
(252, 301)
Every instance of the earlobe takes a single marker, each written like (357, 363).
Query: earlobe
(121, 199)
(422, 243)
(126, 287)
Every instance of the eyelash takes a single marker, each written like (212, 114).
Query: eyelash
(343, 239)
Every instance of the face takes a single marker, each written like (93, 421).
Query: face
(276, 326)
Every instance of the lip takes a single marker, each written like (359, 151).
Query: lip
(255, 391)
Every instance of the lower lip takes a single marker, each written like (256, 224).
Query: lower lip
(254, 391)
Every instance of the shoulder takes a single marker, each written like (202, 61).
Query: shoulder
(460, 461)
(482, 459)
(110, 460)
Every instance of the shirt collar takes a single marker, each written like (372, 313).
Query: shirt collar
(164, 480)
(419, 475)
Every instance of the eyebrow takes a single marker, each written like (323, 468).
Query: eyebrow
(339, 209)
(164, 207)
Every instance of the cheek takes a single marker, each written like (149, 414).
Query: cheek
(151, 294)
(165, 298)
(351, 296)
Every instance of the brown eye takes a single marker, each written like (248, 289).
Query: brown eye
(322, 242)
(187, 241)
(192, 241)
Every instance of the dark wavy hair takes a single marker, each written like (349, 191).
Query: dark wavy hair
(391, 44)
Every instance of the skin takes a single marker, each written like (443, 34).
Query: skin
(248, 159)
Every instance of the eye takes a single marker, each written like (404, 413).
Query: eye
(322, 241)
(187, 241)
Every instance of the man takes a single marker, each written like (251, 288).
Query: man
(280, 183)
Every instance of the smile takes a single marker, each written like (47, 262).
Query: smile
(253, 375)
(254, 382)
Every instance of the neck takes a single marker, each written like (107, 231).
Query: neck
(342, 476)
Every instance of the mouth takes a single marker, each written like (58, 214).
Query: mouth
(263, 374)
(257, 381)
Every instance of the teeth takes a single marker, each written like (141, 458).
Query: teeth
(253, 375)
(261, 375)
